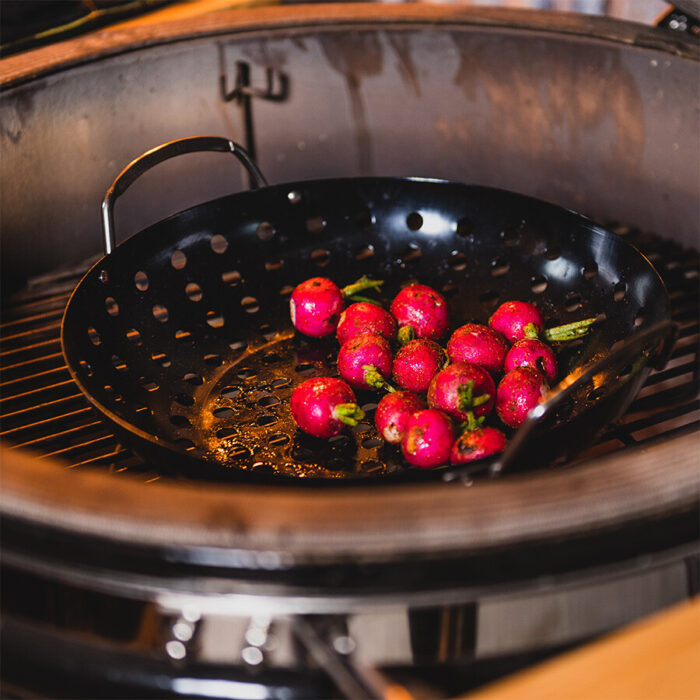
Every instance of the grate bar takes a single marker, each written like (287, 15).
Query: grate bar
(83, 446)
(30, 320)
(18, 339)
(18, 370)
(661, 416)
(68, 383)
(47, 423)
(120, 452)
(31, 350)
(44, 407)
(34, 381)
(52, 437)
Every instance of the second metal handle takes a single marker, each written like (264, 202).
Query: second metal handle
(137, 167)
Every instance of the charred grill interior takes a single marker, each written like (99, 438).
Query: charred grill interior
(119, 580)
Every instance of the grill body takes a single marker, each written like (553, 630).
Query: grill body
(118, 582)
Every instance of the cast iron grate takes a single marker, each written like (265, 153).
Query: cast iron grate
(42, 410)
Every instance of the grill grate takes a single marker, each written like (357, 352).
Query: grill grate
(42, 410)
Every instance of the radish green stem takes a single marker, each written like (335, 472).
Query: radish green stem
(348, 413)
(472, 423)
(569, 331)
(363, 283)
(357, 297)
(406, 334)
(374, 379)
(466, 399)
(530, 331)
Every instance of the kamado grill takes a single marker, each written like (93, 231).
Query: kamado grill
(183, 550)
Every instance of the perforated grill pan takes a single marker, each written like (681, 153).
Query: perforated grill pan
(181, 337)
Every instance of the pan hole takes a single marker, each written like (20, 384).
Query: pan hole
(118, 364)
(232, 278)
(184, 399)
(94, 336)
(218, 244)
(294, 197)
(223, 412)
(511, 237)
(269, 400)
(103, 276)
(238, 345)
(133, 336)
(340, 442)
(413, 253)
(263, 421)
(280, 382)
(250, 305)
(414, 221)
(315, 224)
(160, 313)
(274, 265)
(371, 442)
(639, 318)
(589, 272)
(320, 257)
(182, 336)
(184, 444)
(111, 306)
(602, 316)
(178, 259)
(193, 379)
(278, 439)
(86, 368)
(112, 394)
(364, 252)
(449, 289)
(286, 290)
(538, 284)
(619, 291)
(140, 407)
(230, 392)
(369, 407)
(193, 291)
(360, 428)
(269, 358)
(363, 219)
(247, 373)
(553, 251)
(458, 260)
(141, 281)
(597, 393)
(499, 267)
(225, 432)
(215, 320)
(213, 360)
(267, 331)
(148, 384)
(161, 358)
(239, 452)
(464, 227)
(304, 368)
(572, 302)
(489, 298)
(265, 231)
(180, 421)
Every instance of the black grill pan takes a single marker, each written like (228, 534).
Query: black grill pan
(181, 336)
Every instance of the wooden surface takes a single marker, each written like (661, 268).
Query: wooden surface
(656, 659)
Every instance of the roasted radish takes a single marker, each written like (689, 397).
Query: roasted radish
(428, 439)
(421, 312)
(323, 406)
(416, 363)
(393, 412)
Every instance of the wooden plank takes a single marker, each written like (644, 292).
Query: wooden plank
(656, 659)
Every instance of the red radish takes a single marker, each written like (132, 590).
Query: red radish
(479, 345)
(416, 363)
(316, 303)
(421, 313)
(530, 352)
(477, 444)
(393, 412)
(364, 317)
(428, 439)
(461, 388)
(516, 320)
(323, 406)
(519, 391)
(365, 362)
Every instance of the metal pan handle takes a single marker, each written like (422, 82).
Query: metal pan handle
(140, 165)
(661, 335)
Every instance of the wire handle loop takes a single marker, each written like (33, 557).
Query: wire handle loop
(138, 166)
